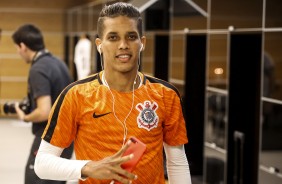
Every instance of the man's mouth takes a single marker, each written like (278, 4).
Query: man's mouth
(123, 56)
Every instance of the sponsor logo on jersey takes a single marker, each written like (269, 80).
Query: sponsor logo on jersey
(147, 118)
(99, 115)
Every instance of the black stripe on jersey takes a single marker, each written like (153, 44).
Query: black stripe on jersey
(99, 78)
(165, 83)
(53, 121)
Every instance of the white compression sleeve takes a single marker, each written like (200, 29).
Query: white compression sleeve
(177, 165)
(49, 164)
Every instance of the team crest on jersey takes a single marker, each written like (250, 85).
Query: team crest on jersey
(148, 118)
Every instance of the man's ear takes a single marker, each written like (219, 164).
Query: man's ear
(143, 43)
(98, 43)
(99, 48)
(22, 45)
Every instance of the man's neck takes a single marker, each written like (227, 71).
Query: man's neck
(122, 82)
(32, 55)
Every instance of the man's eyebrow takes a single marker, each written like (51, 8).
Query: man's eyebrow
(112, 33)
(115, 33)
(132, 32)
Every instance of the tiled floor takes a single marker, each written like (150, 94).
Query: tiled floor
(15, 141)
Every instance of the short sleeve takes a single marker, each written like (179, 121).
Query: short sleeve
(174, 126)
(61, 128)
(39, 83)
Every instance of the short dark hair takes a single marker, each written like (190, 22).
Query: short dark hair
(119, 9)
(29, 35)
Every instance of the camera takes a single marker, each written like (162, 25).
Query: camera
(24, 105)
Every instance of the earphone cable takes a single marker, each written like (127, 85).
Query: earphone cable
(114, 112)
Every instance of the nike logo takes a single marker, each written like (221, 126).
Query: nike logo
(100, 115)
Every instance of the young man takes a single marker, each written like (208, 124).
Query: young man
(48, 76)
(101, 112)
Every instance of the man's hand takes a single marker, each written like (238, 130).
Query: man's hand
(20, 113)
(110, 168)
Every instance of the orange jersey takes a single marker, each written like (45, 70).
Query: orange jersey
(84, 113)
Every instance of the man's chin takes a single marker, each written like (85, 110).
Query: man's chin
(125, 69)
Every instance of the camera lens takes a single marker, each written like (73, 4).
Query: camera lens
(9, 108)
(24, 105)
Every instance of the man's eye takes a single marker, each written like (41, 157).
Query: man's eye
(112, 37)
(132, 37)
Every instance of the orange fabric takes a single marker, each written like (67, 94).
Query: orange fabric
(156, 117)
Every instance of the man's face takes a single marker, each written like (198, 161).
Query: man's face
(121, 44)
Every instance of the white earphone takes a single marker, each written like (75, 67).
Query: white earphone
(141, 48)
(99, 48)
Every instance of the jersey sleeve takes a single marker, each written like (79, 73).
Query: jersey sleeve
(174, 126)
(61, 128)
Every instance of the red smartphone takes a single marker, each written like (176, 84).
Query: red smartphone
(137, 148)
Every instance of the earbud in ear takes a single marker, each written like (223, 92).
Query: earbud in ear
(99, 48)
(141, 48)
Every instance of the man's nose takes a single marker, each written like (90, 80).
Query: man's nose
(123, 45)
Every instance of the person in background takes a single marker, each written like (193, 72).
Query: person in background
(82, 57)
(100, 113)
(48, 76)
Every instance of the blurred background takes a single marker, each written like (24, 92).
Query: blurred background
(225, 57)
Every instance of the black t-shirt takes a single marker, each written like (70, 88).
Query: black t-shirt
(47, 76)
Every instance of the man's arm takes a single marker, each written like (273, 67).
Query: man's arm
(49, 165)
(177, 165)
